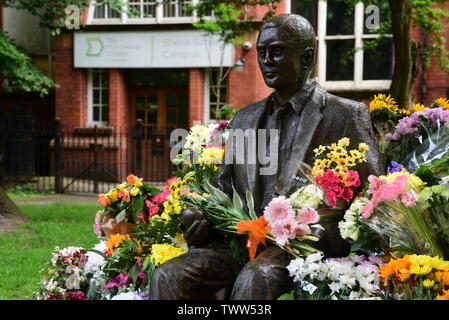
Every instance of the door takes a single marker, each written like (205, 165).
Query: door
(161, 111)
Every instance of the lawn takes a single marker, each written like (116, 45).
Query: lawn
(24, 252)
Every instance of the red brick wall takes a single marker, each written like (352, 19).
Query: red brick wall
(247, 86)
(119, 108)
(196, 95)
(71, 95)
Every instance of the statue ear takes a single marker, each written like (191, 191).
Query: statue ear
(308, 58)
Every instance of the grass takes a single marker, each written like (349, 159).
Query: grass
(20, 192)
(24, 252)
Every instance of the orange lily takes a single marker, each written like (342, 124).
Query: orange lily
(103, 200)
(257, 232)
(132, 179)
(124, 195)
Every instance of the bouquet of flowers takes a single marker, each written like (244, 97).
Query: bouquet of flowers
(280, 224)
(316, 278)
(203, 150)
(127, 202)
(71, 273)
(416, 277)
(334, 171)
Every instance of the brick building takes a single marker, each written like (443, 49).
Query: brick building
(157, 67)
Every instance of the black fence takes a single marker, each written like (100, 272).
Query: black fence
(54, 157)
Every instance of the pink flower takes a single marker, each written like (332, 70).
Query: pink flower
(279, 211)
(331, 197)
(184, 191)
(120, 281)
(353, 179)
(161, 197)
(368, 210)
(308, 216)
(97, 224)
(408, 198)
(77, 295)
(346, 194)
(154, 209)
(283, 233)
(302, 230)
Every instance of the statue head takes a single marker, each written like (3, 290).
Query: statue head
(286, 49)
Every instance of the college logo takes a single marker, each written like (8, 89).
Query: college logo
(95, 47)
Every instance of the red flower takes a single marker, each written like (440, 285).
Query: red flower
(347, 194)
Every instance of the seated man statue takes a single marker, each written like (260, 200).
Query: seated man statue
(306, 117)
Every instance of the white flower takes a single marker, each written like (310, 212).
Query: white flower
(347, 280)
(335, 287)
(444, 180)
(314, 257)
(95, 261)
(69, 250)
(124, 296)
(198, 135)
(309, 196)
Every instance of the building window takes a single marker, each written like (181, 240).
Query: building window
(98, 96)
(103, 12)
(342, 61)
(143, 12)
(215, 93)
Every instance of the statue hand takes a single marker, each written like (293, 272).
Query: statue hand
(197, 233)
(195, 226)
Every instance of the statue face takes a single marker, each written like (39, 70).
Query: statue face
(279, 58)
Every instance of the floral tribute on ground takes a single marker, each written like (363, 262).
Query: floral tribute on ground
(397, 224)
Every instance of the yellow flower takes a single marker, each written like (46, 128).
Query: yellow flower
(138, 184)
(211, 156)
(113, 195)
(134, 191)
(178, 209)
(166, 216)
(122, 185)
(363, 147)
(382, 101)
(164, 252)
(413, 182)
(319, 150)
(344, 142)
(442, 102)
(417, 107)
(428, 283)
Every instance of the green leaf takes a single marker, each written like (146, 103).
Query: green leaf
(288, 296)
(133, 273)
(121, 216)
(137, 205)
(250, 202)
(238, 204)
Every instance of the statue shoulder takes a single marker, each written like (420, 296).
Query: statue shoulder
(346, 106)
(248, 112)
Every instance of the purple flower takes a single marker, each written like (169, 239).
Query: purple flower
(395, 167)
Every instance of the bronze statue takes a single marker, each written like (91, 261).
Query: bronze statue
(307, 116)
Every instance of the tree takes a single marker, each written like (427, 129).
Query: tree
(405, 14)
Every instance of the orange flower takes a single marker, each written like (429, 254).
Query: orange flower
(257, 232)
(132, 179)
(442, 277)
(115, 241)
(396, 268)
(103, 200)
(444, 296)
(124, 195)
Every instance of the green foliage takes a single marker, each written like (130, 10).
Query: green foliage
(19, 71)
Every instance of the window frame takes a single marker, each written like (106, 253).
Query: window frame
(358, 83)
(124, 19)
(90, 97)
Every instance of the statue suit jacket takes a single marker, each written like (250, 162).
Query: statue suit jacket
(325, 119)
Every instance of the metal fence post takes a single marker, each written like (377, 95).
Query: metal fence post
(139, 136)
(95, 166)
(58, 155)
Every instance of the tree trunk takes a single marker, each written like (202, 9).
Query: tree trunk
(405, 53)
(10, 214)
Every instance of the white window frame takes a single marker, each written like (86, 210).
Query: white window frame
(90, 100)
(358, 83)
(124, 19)
(207, 75)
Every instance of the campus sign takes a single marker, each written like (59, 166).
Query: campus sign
(153, 49)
